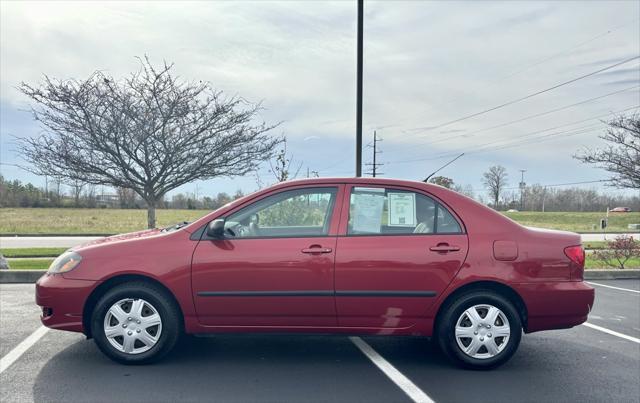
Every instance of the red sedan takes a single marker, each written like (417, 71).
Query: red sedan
(343, 256)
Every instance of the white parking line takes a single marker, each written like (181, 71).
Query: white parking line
(13, 355)
(415, 393)
(611, 332)
(610, 286)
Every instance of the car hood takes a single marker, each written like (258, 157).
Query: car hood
(120, 237)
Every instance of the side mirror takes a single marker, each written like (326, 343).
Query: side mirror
(215, 229)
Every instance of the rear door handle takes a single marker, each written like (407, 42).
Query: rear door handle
(444, 248)
(316, 249)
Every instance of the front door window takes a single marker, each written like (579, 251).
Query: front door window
(302, 212)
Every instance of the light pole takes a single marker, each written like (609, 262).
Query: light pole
(359, 92)
(522, 186)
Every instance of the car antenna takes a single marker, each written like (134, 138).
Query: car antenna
(441, 168)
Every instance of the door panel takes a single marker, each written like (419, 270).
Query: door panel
(390, 281)
(392, 261)
(264, 282)
(275, 264)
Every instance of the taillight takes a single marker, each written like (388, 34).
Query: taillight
(576, 254)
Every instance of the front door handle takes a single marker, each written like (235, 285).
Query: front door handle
(444, 248)
(313, 249)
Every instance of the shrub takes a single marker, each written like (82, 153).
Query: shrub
(618, 251)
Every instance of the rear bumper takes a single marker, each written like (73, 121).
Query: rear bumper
(62, 301)
(556, 305)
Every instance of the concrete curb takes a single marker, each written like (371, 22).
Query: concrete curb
(20, 276)
(612, 274)
(31, 276)
(11, 235)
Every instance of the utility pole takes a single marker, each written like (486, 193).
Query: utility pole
(374, 165)
(522, 186)
(359, 91)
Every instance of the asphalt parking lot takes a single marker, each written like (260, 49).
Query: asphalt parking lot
(580, 364)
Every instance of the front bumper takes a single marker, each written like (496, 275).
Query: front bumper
(62, 301)
(556, 305)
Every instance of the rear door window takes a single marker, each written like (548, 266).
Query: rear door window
(386, 211)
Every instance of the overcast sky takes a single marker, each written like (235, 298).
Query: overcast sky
(426, 64)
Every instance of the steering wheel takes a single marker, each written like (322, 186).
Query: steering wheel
(235, 230)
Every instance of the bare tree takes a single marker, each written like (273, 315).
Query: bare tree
(495, 179)
(280, 167)
(150, 132)
(621, 157)
(126, 197)
(76, 188)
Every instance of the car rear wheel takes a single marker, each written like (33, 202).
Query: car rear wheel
(135, 323)
(479, 330)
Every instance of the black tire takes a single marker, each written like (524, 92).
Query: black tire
(445, 329)
(163, 304)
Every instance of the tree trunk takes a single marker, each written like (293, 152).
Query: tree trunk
(151, 214)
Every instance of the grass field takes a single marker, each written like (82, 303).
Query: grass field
(576, 222)
(114, 221)
(29, 264)
(31, 252)
(86, 221)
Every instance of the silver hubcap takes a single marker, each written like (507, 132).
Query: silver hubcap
(482, 331)
(132, 326)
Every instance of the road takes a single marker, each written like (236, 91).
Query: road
(70, 241)
(579, 364)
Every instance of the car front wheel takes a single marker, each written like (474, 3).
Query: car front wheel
(480, 330)
(135, 323)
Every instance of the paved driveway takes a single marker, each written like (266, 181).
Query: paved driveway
(580, 364)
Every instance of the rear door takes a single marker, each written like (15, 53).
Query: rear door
(275, 265)
(399, 250)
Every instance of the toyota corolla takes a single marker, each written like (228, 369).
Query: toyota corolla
(334, 256)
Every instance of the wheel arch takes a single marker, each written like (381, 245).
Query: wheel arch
(487, 285)
(114, 281)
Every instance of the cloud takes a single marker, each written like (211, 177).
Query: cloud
(425, 63)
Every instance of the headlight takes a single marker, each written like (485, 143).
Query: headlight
(65, 262)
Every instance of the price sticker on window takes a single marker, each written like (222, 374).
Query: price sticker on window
(402, 209)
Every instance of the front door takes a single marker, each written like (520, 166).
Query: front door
(400, 251)
(275, 264)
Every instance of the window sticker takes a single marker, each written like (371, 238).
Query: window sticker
(402, 209)
(368, 212)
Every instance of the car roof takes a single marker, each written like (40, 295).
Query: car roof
(359, 181)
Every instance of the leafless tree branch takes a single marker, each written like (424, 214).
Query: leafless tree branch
(150, 132)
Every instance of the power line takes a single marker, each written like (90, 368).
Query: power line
(447, 138)
(514, 101)
(565, 133)
(569, 50)
(454, 152)
(552, 185)
(565, 51)
(565, 184)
